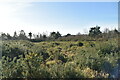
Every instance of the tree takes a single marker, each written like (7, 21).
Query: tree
(58, 35)
(37, 36)
(30, 35)
(22, 35)
(113, 33)
(22, 32)
(44, 36)
(106, 30)
(41, 36)
(78, 33)
(105, 33)
(67, 35)
(8, 36)
(4, 36)
(55, 35)
(116, 31)
(95, 31)
(15, 34)
(52, 34)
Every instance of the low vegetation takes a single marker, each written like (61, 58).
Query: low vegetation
(59, 59)
(70, 56)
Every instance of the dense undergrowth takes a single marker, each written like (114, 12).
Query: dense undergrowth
(59, 59)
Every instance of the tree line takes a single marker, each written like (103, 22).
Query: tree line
(94, 33)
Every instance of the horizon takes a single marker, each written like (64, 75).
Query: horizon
(65, 17)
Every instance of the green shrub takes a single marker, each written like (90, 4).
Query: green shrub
(58, 59)
(80, 44)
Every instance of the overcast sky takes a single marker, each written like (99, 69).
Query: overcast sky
(65, 17)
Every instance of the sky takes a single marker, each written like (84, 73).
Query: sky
(65, 17)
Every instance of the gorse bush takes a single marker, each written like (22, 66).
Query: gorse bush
(59, 59)
(108, 47)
